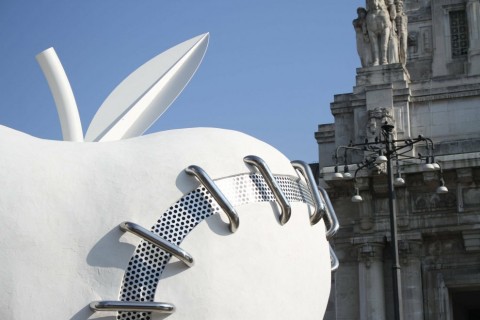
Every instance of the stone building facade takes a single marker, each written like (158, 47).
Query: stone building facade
(437, 95)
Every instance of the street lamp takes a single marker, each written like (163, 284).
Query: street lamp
(386, 150)
(442, 188)
(357, 197)
(346, 172)
(337, 175)
(399, 181)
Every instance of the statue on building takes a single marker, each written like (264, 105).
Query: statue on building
(393, 54)
(401, 22)
(363, 42)
(379, 27)
(381, 33)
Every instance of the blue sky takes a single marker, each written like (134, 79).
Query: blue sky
(271, 69)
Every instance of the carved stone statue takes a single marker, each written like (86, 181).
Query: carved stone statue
(393, 55)
(363, 42)
(379, 28)
(401, 22)
(381, 33)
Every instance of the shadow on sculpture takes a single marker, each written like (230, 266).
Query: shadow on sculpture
(111, 243)
(86, 313)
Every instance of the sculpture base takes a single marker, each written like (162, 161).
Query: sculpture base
(395, 74)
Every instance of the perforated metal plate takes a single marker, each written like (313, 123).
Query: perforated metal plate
(146, 266)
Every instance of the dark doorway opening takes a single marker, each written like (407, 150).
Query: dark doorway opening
(466, 304)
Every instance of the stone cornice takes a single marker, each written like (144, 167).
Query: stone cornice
(445, 96)
(347, 105)
(325, 133)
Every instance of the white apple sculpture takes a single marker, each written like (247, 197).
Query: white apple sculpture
(186, 224)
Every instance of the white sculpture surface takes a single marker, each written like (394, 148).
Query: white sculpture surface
(67, 251)
(62, 94)
(63, 248)
(136, 103)
(139, 100)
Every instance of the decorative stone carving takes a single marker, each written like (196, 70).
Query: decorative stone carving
(379, 27)
(401, 22)
(376, 118)
(428, 202)
(363, 42)
(393, 54)
(381, 33)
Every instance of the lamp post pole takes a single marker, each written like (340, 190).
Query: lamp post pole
(396, 269)
(384, 150)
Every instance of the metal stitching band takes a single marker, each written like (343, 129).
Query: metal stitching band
(147, 264)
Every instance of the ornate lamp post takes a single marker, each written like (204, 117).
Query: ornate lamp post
(386, 149)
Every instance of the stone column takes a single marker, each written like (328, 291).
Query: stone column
(371, 282)
(473, 18)
(412, 285)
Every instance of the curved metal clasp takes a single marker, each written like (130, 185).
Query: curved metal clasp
(333, 226)
(273, 185)
(158, 241)
(132, 306)
(222, 201)
(305, 170)
(334, 263)
(320, 210)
